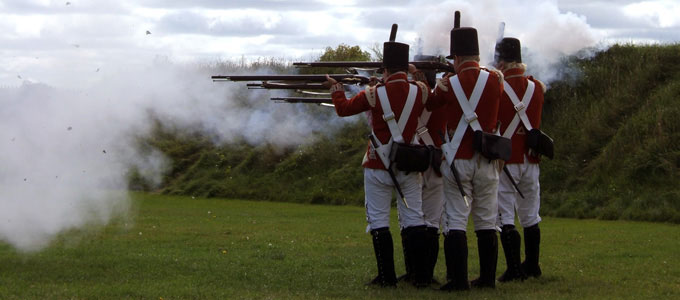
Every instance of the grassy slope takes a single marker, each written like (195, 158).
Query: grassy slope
(183, 248)
(621, 160)
(617, 137)
(327, 171)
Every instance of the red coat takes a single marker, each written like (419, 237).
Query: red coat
(397, 87)
(519, 83)
(487, 109)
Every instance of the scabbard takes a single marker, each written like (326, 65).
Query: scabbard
(389, 171)
(507, 172)
(459, 183)
(456, 176)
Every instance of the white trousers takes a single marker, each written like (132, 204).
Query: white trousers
(526, 176)
(433, 198)
(378, 188)
(479, 178)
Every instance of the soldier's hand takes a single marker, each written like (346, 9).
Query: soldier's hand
(416, 74)
(329, 82)
(451, 63)
(412, 68)
(373, 81)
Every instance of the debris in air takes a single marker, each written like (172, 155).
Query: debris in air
(148, 32)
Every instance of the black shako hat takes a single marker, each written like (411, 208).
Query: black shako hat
(464, 42)
(508, 49)
(395, 55)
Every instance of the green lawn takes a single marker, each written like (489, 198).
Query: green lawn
(184, 248)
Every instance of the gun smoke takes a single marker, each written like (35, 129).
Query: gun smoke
(65, 154)
(547, 35)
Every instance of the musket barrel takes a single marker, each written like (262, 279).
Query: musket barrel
(501, 32)
(432, 65)
(291, 86)
(424, 65)
(344, 78)
(456, 19)
(393, 33)
(340, 64)
(303, 100)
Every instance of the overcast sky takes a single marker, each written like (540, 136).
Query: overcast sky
(40, 39)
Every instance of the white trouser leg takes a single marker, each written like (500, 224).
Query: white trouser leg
(527, 208)
(507, 195)
(378, 188)
(479, 179)
(433, 198)
(526, 176)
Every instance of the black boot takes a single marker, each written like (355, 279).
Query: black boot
(416, 247)
(384, 255)
(407, 259)
(432, 251)
(487, 244)
(456, 253)
(532, 241)
(511, 242)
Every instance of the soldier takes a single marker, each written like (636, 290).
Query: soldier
(393, 109)
(472, 97)
(429, 123)
(522, 102)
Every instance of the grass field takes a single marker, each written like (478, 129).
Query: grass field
(184, 248)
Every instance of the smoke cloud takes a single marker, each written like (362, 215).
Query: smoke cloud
(546, 34)
(66, 152)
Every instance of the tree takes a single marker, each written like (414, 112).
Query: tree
(341, 53)
(345, 53)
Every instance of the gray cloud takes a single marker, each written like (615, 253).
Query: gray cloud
(236, 26)
(384, 18)
(278, 5)
(609, 17)
(22, 7)
(664, 35)
(604, 14)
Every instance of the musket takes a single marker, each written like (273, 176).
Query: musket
(421, 65)
(303, 100)
(344, 78)
(507, 172)
(456, 176)
(389, 171)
